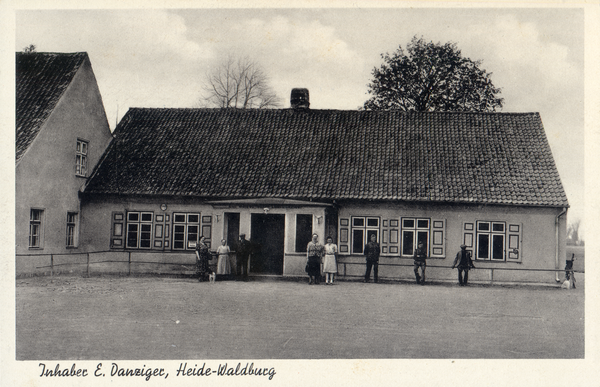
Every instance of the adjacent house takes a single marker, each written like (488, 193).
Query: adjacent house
(487, 180)
(61, 133)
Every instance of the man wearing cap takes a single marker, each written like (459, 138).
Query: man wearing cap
(464, 263)
(371, 252)
(420, 261)
(242, 255)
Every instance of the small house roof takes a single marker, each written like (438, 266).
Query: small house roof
(487, 158)
(41, 80)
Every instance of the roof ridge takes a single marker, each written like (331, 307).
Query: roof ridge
(328, 110)
(52, 53)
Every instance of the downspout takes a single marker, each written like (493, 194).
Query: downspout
(556, 223)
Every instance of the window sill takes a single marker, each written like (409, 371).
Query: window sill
(488, 261)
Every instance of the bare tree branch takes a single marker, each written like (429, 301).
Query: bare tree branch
(238, 83)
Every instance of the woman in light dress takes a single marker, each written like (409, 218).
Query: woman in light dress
(329, 263)
(223, 266)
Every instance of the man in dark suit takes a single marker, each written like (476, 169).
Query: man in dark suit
(244, 249)
(420, 261)
(464, 263)
(372, 251)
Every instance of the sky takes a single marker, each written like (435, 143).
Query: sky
(159, 57)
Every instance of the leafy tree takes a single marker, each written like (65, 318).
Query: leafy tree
(238, 83)
(431, 77)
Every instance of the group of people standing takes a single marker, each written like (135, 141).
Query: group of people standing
(320, 260)
(317, 254)
(203, 257)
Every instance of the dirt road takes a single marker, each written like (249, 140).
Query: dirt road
(179, 318)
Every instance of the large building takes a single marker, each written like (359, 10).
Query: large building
(61, 133)
(487, 180)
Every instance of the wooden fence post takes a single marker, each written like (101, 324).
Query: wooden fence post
(51, 265)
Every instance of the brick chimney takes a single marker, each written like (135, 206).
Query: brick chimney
(299, 99)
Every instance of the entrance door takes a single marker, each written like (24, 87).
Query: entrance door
(233, 228)
(268, 233)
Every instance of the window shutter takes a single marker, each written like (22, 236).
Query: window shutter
(469, 237)
(117, 230)
(514, 242)
(344, 240)
(438, 238)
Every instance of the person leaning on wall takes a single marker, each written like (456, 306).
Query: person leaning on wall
(464, 263)
(420, 262)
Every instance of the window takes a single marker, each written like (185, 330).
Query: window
(185, 230)
(362, 229)
(494, 240)
(491, 241)
(71, 229)
(81, 158)
(414, 230)
(303, 231)
(399, 237)
(139, 230)
(35, 228)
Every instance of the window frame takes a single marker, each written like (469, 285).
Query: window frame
(81, 155)
(357, 244)
(485, 230)
(188, 225)
(417, 233)
(72, 237)
(36, 224)
(144, 226)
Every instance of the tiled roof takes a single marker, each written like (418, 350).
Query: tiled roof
(489, 158)
(41, 79)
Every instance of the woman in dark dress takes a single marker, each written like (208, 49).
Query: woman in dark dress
(314, 255)
(202, 257)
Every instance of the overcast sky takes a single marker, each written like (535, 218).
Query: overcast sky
(158, 58)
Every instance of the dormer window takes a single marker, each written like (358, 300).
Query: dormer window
(81, 158)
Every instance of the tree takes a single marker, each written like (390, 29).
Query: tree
(431, 77)
(238, 83)
(573, 237)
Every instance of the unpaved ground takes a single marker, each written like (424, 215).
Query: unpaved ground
(179, 318)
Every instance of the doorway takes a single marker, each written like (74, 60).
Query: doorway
(232, 220)
(268, 233)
